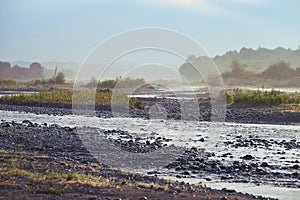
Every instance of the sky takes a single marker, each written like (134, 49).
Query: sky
(68, 30)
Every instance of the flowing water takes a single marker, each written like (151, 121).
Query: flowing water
(189, 133)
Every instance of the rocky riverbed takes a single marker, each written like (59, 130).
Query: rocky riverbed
(29, 149)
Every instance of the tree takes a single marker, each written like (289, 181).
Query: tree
(92, 83)
(36, 70)
(5, 69)
(280, 70)
(60, 78)
(297, 72)
(238, 70)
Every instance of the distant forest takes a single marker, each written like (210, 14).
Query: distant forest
(34, 71)
(262, 67)
(279, 74)
(247, 67)
(259, 59)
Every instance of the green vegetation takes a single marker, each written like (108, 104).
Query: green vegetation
(56, 79)
(105, 97)
(241, 68)
(42, 97)
(7, 82)
(119, 82)
(261, 98)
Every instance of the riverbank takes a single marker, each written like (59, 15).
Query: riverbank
(173, 111)
(50, 162)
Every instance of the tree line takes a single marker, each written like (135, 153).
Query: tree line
(277, 74)
(34, 71)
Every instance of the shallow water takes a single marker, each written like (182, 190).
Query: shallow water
(265, 190)
(188, 133)
(10, 93)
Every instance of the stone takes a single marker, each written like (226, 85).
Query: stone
(248, 157)
(264, 164)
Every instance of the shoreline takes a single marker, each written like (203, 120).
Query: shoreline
(173, 111)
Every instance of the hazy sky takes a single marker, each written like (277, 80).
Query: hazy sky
(67, 30)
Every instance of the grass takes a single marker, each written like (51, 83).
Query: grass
(119, 82)
(47, 181)
(259, 98)
(152, 186)
(43, 177)
(99, 98)
(7, 83)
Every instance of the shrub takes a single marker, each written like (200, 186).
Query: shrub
(119, 82)
(7, 82)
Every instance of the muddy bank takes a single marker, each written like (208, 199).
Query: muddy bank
(37, 149)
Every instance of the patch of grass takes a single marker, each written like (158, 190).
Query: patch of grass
(27, 140)
(103, 97)
(259, 98)
(152, 186)
(48, 181)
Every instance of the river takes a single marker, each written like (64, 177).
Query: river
(187, 134)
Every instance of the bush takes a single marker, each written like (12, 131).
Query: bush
(7, 82)
(60, 78)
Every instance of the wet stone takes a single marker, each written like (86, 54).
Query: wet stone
(247, 157)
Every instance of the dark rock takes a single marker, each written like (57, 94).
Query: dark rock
(26, 121)
(228, 190)
(248, 157)
(186, 173)
(295, 167)
(264, 164)
(27, 166)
